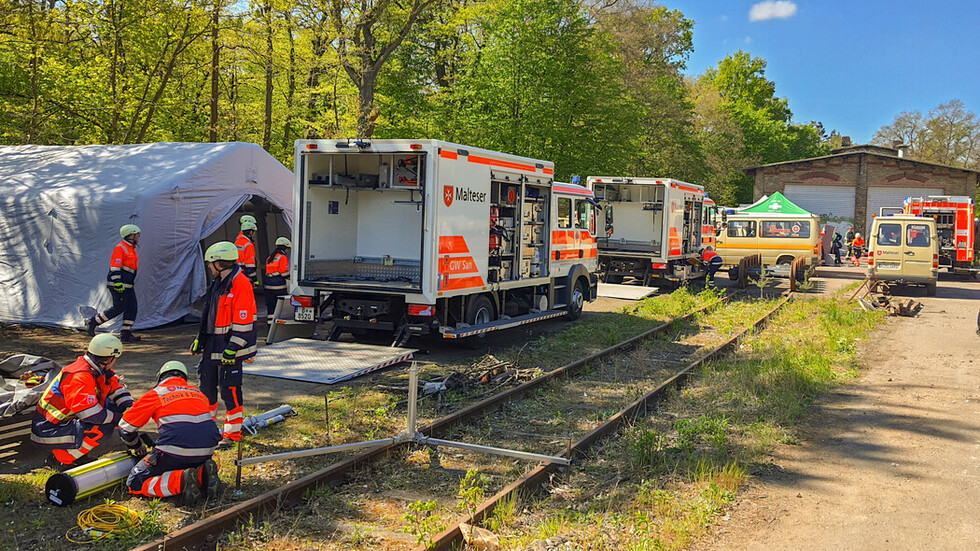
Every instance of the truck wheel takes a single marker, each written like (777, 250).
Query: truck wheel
(931, 289)
(576, 301)
(480, 311)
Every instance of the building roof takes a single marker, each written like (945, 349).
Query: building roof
(871, 150)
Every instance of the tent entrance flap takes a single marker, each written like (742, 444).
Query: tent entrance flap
(325, 362)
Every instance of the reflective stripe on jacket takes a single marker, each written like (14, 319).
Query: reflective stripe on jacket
(123, 264)
(82, 390)
(277, 272)
(183, 417)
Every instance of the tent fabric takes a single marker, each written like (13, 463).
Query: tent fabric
(62, 208)
(777, 203)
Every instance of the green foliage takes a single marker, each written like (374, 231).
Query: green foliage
(472, 491)
(422, 522)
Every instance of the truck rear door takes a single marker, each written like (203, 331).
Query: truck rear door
(917, 250)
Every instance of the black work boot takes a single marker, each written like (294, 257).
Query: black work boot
(190, 491)
(128, 336)
(210, 482)
(90, 326)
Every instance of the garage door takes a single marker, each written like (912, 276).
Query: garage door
(881, 196)
(828, 202)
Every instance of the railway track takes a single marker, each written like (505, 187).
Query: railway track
(616, 385)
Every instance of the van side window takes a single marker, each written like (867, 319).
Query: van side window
(583, 211)
(917, 235)
(786, 228)
(564, 212)
(741, 228)
(889, 234)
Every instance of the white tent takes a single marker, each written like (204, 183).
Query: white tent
(62, 208)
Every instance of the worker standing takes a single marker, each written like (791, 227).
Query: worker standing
(226, 337)
(276, 275)
(180, 462)
(122, 275)
(245, 242)
(712, 262)
(83, 404)
(857, 249)
(836, 247)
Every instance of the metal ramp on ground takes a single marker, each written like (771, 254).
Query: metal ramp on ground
(326, 362)
(625, 292)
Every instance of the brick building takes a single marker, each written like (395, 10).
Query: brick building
(852, 182)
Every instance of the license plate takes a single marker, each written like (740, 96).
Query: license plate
(303, 313)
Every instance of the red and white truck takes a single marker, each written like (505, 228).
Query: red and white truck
(395, 238)
(956, 227)
(653, 229)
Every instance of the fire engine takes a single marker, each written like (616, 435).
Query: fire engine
(408, 237)
(956, 228)
(656, 234)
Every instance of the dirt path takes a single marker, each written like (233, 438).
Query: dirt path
(891, 461)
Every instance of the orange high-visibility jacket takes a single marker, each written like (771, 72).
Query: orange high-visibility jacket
(234, 318)
(277, 272)
(182, 414)
(246, 255)
(82, 390)
(123, 265)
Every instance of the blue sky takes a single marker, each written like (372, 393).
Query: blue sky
(851, 65)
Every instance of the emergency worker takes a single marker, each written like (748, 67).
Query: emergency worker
(857, 249)
(122, 274)
(835, 248)
(276, 275)
(83, 404)
(712, 262)
(226, 337)
(180, 462)
(245, 242)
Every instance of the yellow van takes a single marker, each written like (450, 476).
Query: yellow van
(904, 249)
(780, 238)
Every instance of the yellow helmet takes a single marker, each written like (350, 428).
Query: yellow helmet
(172, 365)
(128, 229)
(104, 345)
(282, 241)
(249, 226)
(246, 218)
(222, 250)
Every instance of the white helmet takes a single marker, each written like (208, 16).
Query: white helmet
(105, 345)
(857, 235)
(246, 218)
(173, 365)
(128, 229)
(282, 241)
(249, 226)
(222, 250)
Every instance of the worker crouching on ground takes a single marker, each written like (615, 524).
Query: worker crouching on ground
(276, 275)
(83, 404)
(122, 276)
(180, 462)
(712, 262)
(226, 337)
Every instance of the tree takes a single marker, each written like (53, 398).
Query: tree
(367, 34)
(949, 135)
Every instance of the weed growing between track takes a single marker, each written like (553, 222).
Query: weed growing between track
(667, 479)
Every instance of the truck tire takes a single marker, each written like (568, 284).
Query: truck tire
(576, 301)
(480, 311)
(931, 289)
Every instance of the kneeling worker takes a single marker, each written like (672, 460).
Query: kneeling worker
(180, 462)
(712, 262)
(83, 404)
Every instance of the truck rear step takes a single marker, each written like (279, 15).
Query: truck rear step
(504, 322)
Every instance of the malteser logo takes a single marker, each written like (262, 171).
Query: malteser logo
(451, 193)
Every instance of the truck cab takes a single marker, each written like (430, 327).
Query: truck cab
(904, 249)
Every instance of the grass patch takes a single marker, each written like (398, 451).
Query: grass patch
(666, 480)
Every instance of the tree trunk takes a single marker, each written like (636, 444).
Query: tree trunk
(365, 114)
(215, 55)
(287, 130)
(267, 120)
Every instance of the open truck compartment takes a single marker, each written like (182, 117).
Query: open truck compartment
(364, 217)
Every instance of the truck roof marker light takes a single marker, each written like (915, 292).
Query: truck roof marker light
(416, 146)
(311, 146)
